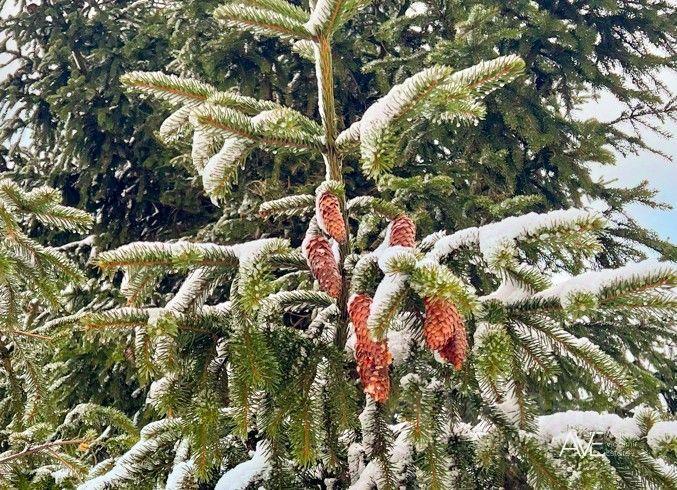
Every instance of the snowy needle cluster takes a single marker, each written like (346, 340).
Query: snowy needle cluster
(359, 355)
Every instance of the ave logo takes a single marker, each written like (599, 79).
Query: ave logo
(574, 443)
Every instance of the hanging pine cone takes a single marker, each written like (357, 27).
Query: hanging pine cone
(456, 348)
(373, 358)
(320, 258)
(373, 363)
(329, 216)
(441, 320)
(403, 232)
(358, 310)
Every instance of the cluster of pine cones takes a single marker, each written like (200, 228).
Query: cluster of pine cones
(444, 330)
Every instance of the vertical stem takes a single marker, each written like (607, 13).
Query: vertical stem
(325, 79)
(332, 159)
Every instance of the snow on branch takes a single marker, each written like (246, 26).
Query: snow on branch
(261, 21)
(328, 15)
(486, 76)
(386, 303)
(183, 254)
(649, 273)
(242, 103)
(141, 456)
(662, 433)
(324, 15)
(436, 93)
(193, 292)
(496, 237)
(241, 476)
(288, 206)
(551, 428)
(221, 169)
(171, 88)
(282, 7)
(182, 476)
(389, 108)
(161, 254)
(400, 457)
(349, 136)
(277, 128)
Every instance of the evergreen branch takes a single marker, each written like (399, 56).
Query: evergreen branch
(275, 304)
(486, 76)
(171, 88)
(117, 318)
(42, 447)
(142, 456)
(387, 302)
(327, 15)
(435, 281)
(349, 137)
(221, 169)
(44, 204)
(227, 120)
(288, 206)
(261, 21)
(172, 127)
(260, 129)
(281, 7)
(92, 414)
(586, 354)
(159, 254)
(376, 124)
(364, 204)
(247, 105)
(544, 472)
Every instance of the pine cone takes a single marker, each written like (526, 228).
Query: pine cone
(322, 264)
(403, 232)
(358, 310)
(329, 216)
(441, 321)
(373, 358)
(373, 363)
(456, 349)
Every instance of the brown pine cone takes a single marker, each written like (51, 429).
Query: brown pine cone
(456, 349)
(320, 258)
(441, 320)
(373, 358)
(329, 216)
(358, 310)
(403, 232)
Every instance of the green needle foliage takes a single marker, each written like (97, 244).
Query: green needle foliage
(32, 282)
(249, 364)
(244, 361)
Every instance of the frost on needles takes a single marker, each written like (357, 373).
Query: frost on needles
(358, 356)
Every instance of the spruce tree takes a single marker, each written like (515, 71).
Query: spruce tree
(363, 354)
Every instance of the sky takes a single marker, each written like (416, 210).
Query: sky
(632, 169)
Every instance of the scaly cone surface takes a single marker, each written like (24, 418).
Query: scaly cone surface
(455, 350)
(403, 232)
(322, 263)
(329, 216)
(441, 320)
